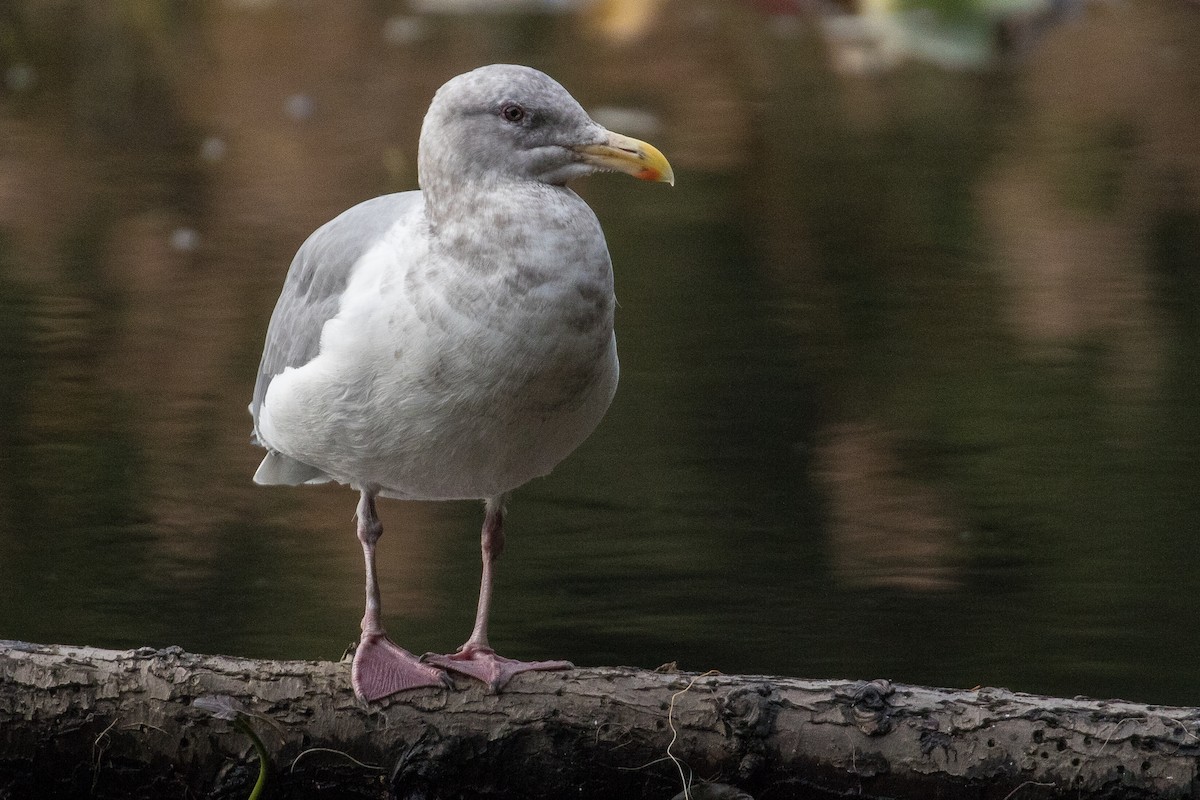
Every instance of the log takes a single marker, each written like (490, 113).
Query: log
(85, 722)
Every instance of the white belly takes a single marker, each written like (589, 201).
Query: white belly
(414, 398)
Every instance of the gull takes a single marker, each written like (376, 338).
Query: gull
(453, 342)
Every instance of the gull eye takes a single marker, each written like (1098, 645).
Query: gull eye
(512, 112)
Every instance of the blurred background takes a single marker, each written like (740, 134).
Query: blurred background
(910, 354)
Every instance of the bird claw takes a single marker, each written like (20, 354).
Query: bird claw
(381, 668)
(482, 664)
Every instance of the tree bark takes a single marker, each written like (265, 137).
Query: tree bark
(79, 721)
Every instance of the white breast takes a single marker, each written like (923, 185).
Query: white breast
(444, 378)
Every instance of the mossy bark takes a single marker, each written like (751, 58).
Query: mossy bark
(79, 721)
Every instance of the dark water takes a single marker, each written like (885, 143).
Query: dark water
(910, 355)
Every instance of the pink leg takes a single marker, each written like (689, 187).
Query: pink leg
(476, 657)
(381, 667)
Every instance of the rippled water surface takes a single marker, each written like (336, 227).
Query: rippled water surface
(910, 355)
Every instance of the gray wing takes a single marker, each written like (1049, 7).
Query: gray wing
(312, 291)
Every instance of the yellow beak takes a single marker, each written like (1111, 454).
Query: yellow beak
(631, 156)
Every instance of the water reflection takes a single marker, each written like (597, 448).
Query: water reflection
(909, 355)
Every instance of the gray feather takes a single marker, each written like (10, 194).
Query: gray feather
(312, 291)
